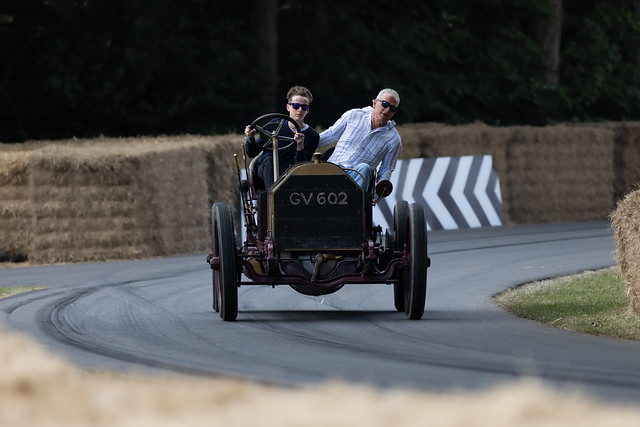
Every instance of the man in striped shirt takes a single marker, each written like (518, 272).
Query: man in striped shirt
(366, 137)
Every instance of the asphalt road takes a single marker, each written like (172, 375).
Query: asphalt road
(156, 315)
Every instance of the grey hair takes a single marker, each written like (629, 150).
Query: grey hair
(390, 92)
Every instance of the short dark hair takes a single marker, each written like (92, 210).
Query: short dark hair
(299, 91)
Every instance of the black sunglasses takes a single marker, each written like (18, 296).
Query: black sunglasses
(295, 106)
(385, 104)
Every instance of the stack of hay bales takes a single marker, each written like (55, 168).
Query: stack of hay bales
(112, 198)
(626, 224)
(86, 200)
(547, 174)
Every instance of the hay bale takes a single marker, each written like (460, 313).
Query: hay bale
(114, 198)
(83, 204)
(221, 178)
(171, 208)
(560, 173)
(625, 221)
(626, 155)
(118, 199)
(627, 158)
(15, 203)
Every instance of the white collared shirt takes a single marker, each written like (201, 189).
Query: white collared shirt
(357, 143)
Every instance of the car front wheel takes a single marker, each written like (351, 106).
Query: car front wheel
(225, 285)
(415, 276)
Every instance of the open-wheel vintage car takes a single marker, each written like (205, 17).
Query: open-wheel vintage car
(313, 230)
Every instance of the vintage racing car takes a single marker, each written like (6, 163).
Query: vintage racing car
(313, 230)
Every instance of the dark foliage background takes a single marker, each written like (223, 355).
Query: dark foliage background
(86, 68)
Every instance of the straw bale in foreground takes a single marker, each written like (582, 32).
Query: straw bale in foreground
(39, 389)
(626, 224)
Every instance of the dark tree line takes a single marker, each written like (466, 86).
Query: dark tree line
(86, 68)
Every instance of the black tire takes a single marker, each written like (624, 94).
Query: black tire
(225, 284)
(214, 273)
(216, 305)
(400, 213)
(416, 275)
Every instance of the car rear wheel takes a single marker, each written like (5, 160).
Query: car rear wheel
(400, 212)
(415, 276)
(225, 285)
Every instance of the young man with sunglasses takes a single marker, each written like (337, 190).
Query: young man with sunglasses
(365, 138)
(298, 104)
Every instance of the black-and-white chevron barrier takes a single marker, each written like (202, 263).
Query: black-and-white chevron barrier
(457, 192)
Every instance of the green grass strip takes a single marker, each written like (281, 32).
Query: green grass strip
(594, 303)
(13, 290)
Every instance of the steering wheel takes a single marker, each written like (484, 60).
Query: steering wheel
(268, 128)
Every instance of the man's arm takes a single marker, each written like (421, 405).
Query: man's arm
(252, 149)
(388, 164)
(334, 133)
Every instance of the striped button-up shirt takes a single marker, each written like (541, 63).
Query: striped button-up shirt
(357, 143)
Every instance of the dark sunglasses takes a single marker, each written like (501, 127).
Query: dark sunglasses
(295, 106)
(385, 104)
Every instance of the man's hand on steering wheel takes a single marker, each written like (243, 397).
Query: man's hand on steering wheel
(249, 133)
(270, 129)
